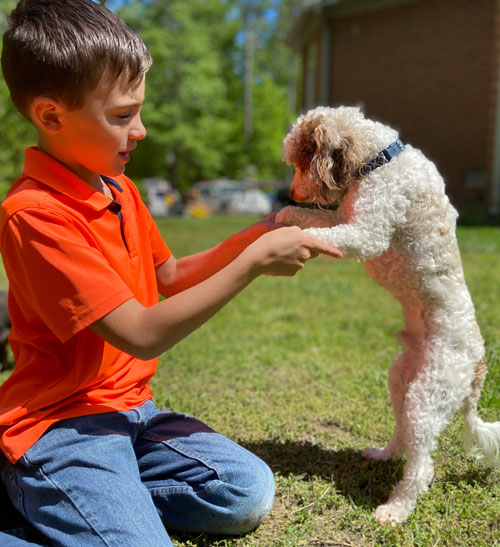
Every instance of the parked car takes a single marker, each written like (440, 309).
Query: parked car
(217, 193)
(250, 201)
(227, 196)
(161, 198)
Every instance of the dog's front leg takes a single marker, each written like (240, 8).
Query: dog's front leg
(363, 242)
(365, 222)
(360, 239)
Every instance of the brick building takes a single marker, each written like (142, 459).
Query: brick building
(429, 68)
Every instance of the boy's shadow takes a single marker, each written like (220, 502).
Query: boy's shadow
(366, 483)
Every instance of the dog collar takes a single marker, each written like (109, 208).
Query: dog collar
(381, 158)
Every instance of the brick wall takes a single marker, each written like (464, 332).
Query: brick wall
(429, 69)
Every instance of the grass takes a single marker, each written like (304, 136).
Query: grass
(295, 370)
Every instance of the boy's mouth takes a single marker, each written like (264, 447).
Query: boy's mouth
(125, 154)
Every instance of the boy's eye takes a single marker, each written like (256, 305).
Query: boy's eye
(123, 116)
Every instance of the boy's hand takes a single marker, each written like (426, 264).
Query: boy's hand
(147, 331)
(284, 251)
(175, 276)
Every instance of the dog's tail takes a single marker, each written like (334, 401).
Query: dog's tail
(481, 439)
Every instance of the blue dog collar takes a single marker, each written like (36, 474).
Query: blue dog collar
(381, 158)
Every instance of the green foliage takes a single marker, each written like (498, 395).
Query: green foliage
(194, 106)
(17, 132)
(186, 112)
(271, 118)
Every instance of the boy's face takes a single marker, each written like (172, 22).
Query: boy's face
(97, 138)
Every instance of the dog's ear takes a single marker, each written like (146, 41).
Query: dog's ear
(326, 148)
(336, 158)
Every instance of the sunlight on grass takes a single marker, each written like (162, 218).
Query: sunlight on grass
(295, 369)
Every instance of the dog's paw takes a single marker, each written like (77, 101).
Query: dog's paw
(391, 514)
(379, 454)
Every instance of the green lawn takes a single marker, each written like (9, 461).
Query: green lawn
(295, 370)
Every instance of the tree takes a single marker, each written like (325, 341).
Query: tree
(195, 94)
(206, 115)
(17, 132)
(276, 68)
(188, 111)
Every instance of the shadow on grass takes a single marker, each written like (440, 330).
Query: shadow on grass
(366, 483)
(473, 476)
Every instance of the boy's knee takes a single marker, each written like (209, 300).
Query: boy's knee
(253, 501)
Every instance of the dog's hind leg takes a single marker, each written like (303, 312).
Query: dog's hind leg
(401, 375)
(428, 406)
(418, 474)
(397, 388)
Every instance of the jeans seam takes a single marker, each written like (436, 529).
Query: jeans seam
(185, 451)
(163, 491)
(68, 497)
(168, 490)
(139, 423)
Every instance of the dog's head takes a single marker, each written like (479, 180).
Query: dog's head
(325, 147)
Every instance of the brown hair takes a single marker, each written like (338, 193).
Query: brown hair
(62, 49)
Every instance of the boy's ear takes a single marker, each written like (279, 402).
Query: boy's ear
(46, 113)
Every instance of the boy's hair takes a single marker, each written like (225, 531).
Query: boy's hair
(62, 48)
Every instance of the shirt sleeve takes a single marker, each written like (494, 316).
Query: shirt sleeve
(62, 276)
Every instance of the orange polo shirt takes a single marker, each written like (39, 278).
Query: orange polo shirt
(71, 259)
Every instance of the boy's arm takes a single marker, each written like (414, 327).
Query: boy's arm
(146, 332)
(176, 275)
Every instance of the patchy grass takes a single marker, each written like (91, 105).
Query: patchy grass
(295, 370)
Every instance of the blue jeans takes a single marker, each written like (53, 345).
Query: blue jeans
(124, 478)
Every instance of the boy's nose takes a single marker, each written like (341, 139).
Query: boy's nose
(138, 131)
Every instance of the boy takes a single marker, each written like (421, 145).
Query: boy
(89, 460)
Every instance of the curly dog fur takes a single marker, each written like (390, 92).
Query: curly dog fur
(398, 221)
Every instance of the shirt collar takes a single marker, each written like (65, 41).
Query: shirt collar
(45, 169)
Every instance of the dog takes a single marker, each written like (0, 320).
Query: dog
(393, 215)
